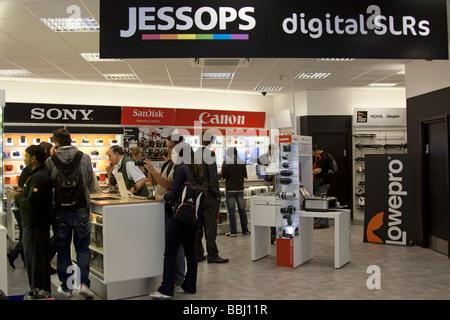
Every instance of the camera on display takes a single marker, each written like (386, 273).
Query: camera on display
(285, 157)
(140, 163)
(285, 164)
(286, 172)
(286, 148)
(287, 195)
(288, 209)
(285, 180)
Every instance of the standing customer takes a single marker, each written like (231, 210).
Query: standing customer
(321, 182)
(35, 203)
(122, 164)
(234, 172)
(72, 220)
(164, 182)
(178, 232)
(208, 223)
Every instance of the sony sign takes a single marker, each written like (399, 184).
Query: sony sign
(55, 113)
(61, 114)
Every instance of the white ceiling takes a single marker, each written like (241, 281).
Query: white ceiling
(27, 43)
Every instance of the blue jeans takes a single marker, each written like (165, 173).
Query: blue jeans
(76, 224)
(238, 197)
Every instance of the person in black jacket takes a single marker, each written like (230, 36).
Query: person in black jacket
(178, 232)
(234, 172)
(208, 224)
(35, 203)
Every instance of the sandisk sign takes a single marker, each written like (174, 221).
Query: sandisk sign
(192, 117)
(147, 116)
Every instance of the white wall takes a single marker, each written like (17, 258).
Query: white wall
(426, 76)
(340, 102)
(72, 92)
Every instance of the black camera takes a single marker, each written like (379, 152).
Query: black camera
(286, 148)
(140, 163)
(285, 180)
(286, 173)
(288, 209)
(285, 157)
(285, 164)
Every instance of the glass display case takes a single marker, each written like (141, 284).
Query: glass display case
(287, 188)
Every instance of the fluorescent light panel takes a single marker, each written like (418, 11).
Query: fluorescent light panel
(336, 59)
(217, 75)
(71, 24)
(15, 73)
(268, 89)
(91, 57)
(382, 85)
(120, 76)
(312, 75)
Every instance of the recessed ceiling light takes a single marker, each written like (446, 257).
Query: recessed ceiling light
(268, 89)
(312, 75)
(381, 85)
(120, 76)
(95, 57)
(15, 73)
(71, 24)
(401, 72)
(217, 75)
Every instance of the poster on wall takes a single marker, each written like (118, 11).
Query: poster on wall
(365, 117)
(394, 29)
(389, 199)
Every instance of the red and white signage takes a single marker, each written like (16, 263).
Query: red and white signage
(192, 117)
(220, 118)
(148, 116)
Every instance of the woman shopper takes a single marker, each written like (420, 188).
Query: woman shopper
(178, 232)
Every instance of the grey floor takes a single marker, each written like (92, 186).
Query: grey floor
(405, 273)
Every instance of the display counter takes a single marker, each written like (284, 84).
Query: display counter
(264, 210)
(127, 246)
(3, 264)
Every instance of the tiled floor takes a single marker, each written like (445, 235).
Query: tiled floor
(406, 273)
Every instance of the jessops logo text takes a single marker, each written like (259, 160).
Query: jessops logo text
(184, 18)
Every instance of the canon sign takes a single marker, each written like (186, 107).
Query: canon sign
(61, 114)
(222, 119)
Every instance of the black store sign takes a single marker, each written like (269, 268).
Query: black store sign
(387, 29)
(389, 199)
(61, 114)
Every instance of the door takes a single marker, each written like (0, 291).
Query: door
(334, 135)
(337, 145)
(436, 183)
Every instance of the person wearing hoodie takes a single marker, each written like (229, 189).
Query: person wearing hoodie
(72, 221)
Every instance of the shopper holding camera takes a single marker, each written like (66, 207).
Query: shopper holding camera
(122, 164)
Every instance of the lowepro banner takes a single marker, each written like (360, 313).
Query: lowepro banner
(389, 198)
(389, 29)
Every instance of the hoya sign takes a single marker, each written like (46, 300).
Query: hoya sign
(54, 113)
(401, 29)
(389, 196)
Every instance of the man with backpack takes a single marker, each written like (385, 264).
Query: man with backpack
(324, 168)
(71, 172)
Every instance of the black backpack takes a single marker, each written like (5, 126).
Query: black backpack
(332, 166)
(190, 202)
(69, 186)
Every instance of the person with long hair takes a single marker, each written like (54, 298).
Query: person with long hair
(178, 232)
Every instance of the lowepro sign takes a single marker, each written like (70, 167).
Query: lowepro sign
(389, 196)
(404, 29)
